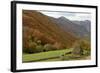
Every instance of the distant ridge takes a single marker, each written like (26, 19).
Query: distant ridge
(72, 26)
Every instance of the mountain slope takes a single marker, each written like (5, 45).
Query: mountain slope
(39, 26)
(70, 26)
(86, 24)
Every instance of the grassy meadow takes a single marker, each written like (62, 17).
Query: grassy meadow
(59, 55)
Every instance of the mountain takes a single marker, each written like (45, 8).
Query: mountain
(70, 26)
(86, 24)
(40, 27)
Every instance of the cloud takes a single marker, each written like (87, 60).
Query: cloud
(80, 16)
(69, 15)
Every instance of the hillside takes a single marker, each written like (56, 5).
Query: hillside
(86, 24)
(71, 26)
(39, 27)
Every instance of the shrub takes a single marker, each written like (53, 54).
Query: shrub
(84, 44)
(48, 47)
(80, 46)
(39, 42)
(39, 48)
(86, 52)
(77, 50)
(31, 48)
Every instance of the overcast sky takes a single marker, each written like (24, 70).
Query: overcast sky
(68, 15)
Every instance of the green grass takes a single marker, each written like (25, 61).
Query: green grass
(43, 55)
(53, 56)
(69, 57)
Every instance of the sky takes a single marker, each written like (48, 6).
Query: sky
(69, 15)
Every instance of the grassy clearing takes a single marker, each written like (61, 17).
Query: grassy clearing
(68, 58)
(54, 56)
(43, 55)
